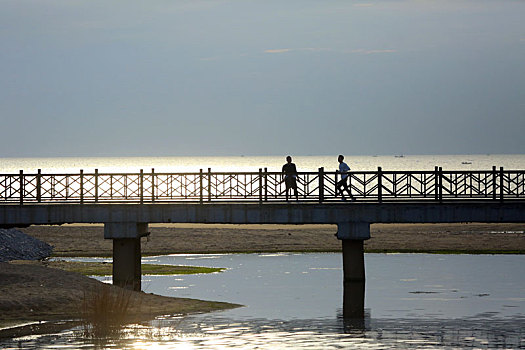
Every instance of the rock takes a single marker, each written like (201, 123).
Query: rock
(16, 245)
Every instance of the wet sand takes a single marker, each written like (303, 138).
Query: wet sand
(82, 240)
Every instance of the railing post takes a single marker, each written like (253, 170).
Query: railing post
(81, 186)
(501, 185)
(39, 186)
(141, 186)
(436, 183)
(265, 184)
(21, 179)
(260, 186)
(96, 185)
(209, 184)
(379, 184)
(321, 185)
(153, 185)
(440, 173)
(494, 182)
(200, 186)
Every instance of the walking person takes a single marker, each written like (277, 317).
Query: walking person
(290, 177)
(342, 184)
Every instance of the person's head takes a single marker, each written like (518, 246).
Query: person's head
(340, 158)
(288, 159)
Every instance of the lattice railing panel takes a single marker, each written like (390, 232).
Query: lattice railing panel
(230, 186)
(9, 187)
(408, 185)
(363, 185)
(308, 185)
(514, 184)
(469, 185)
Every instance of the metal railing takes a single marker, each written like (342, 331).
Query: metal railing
(262, 186)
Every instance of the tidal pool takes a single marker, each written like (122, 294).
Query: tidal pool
(295, 301)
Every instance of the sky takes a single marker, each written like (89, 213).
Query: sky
(272, 77)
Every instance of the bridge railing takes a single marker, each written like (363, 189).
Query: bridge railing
(261, 186)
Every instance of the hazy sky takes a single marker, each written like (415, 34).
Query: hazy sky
(265, 77)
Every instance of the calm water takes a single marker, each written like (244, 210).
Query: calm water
(274, 163)
(295, 301)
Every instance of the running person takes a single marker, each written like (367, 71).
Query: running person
(343, 169)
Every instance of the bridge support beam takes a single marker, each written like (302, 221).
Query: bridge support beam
(352, 236)
(127, 272)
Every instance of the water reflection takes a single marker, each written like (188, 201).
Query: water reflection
(217, 332)
(354, 300)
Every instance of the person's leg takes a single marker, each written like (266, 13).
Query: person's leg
(347, 188)
(341, 184)
(294, 186)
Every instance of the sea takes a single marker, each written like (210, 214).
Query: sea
(193, 164)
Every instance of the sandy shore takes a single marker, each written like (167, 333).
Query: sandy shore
(31, 291)
(82, 240)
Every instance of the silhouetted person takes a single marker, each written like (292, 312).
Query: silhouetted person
(342, 184)
(290, 177)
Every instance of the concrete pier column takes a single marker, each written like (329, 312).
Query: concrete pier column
(352, 235)
(127, 272)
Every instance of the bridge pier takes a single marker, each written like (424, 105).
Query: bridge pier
(127, 272)
(352, 235)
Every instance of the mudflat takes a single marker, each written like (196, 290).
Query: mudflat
(88, 240)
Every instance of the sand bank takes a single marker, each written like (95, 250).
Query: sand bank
(30, 291)
(88, 240)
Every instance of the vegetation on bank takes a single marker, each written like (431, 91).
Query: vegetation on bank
(105, 268)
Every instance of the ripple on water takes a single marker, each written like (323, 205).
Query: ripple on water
(205, 332)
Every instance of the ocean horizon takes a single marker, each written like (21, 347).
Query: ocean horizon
(254, 163)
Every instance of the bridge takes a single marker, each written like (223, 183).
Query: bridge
(127, 202)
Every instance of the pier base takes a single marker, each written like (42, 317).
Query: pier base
(352, 236)
(127, 272)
